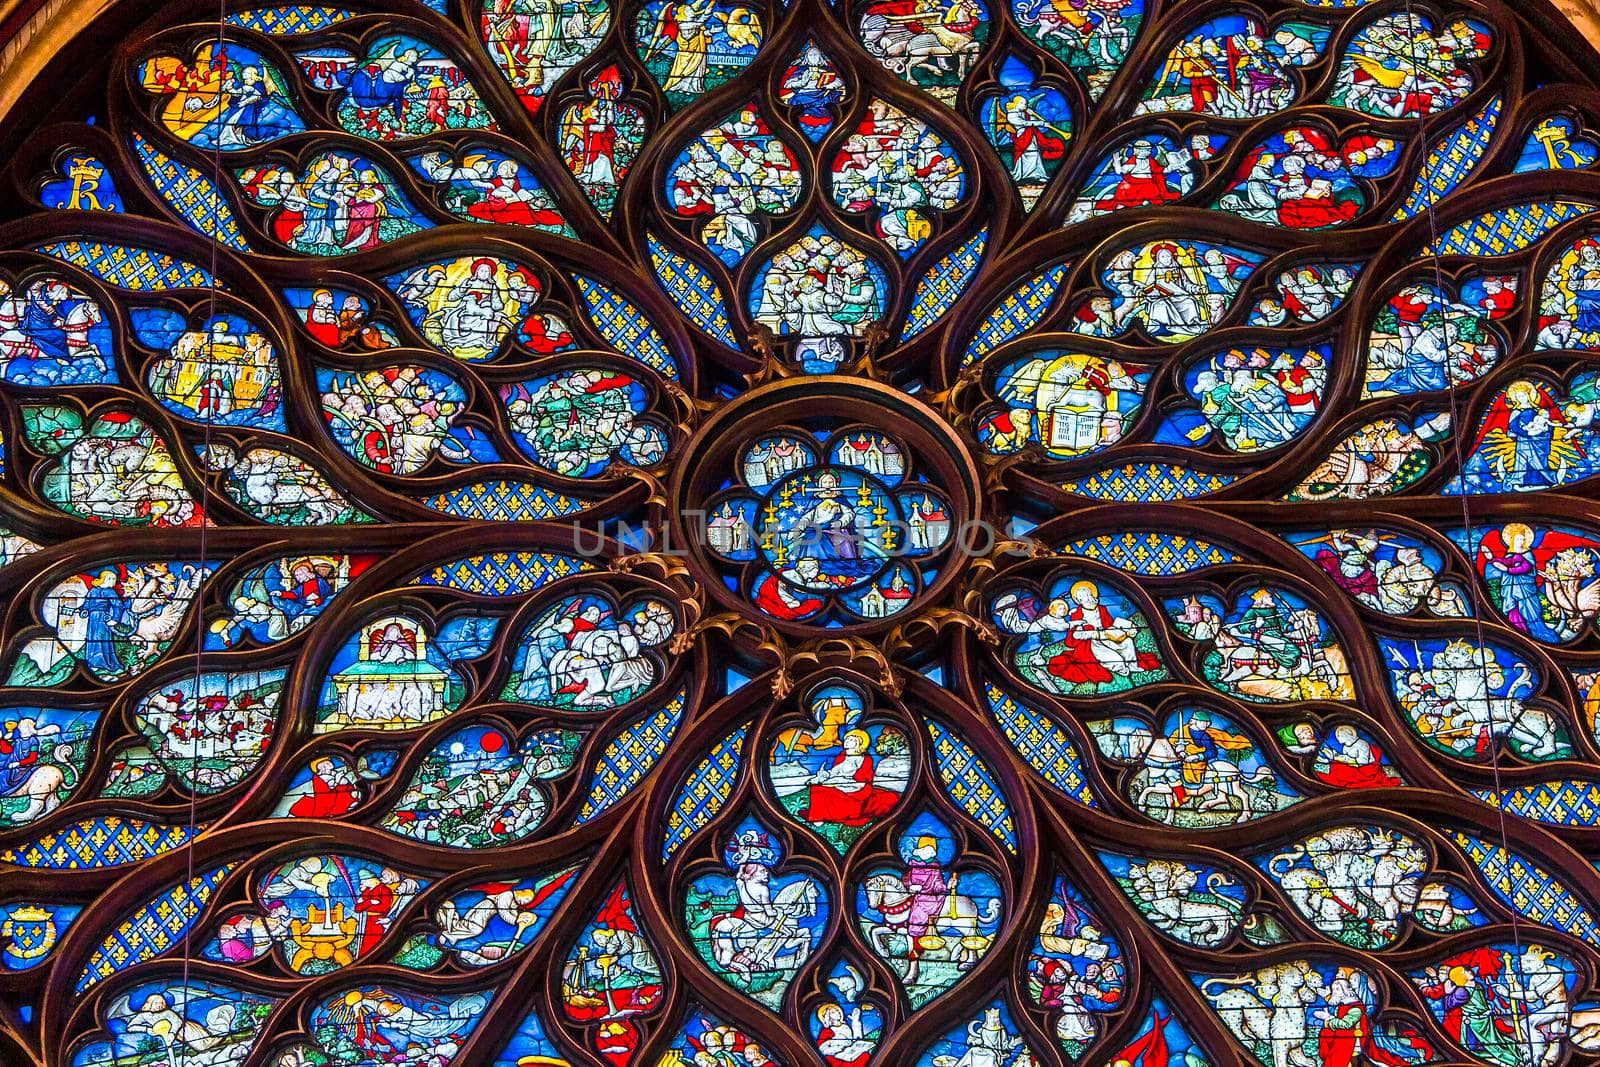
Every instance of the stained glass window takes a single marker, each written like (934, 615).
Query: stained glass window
(728, 533)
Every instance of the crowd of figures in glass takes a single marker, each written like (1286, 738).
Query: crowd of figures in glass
(801, 533)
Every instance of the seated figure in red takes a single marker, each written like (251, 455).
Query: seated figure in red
(843, 792)
(333, 792)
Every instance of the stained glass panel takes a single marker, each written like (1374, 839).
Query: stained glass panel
(716, 533)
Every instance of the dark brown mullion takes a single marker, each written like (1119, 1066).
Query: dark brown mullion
(1007, 260)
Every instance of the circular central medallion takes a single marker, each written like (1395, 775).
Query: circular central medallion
(831, 528)
(825, 502)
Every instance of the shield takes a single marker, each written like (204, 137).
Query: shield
(31, 930)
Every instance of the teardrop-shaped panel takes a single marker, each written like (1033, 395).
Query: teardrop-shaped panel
(488, 923)
(1252, 398)
(1342, 755)
(226, 98)
(729, 177)
(1199, 72)
(900, 172)
(1527, 441)
(1387, 64)
(200, 1019)
(1064, 402)
(82, 182)
(611, 977)
(1190, 901)
(846, 1020)
(480, 183)
(1540, 577)
(1304, 178)
(42, 755)
(1148, 170)
(211, 730)
(1384, 569)
(600, 137)
(989, 1037)
(1174, 290)
(327, 911)
(756, 922)
(1078, 637)
(88, 613)
(823, 292)
(1029, 123)
(531, 1045)
(813, 88)
(1162, 1030)
(1497, 980)
(1091, 39)
(1305, 294)
(933, 46)
(221, 371)
(1076, 974)
(932, 915)
(374, 1020)
(327, 787)
(1424, 339)
(1268, 1009)
(1357, 884)
(842, 771)
(333, 204)
(467, 306)
(58, 336)
(1556, 143)
(340, 319)
(280, 488)
(582, 419)
(395, 420)
(1265, 644)
(114, 471)
(1194, 768)
(1472, 699)
(277, 599)
(704, 1037)
(400, 87)
(589, 653)
(1378, 458)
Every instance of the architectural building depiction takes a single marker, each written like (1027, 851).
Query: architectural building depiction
(724, 533)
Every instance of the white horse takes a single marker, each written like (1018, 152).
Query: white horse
(43, 788)
(958, 915)
(755, 939)
(1221, 781)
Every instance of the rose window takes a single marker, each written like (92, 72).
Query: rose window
(949, 533)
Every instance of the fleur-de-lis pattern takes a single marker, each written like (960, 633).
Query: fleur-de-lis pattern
(736, 532)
